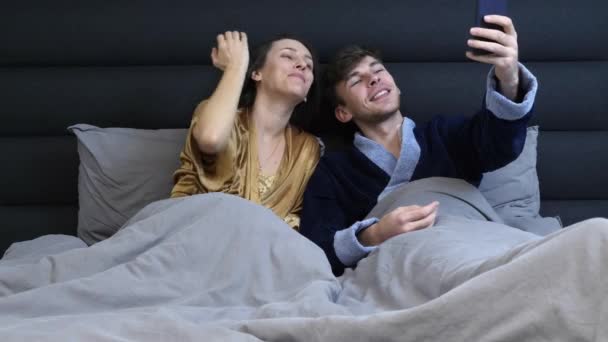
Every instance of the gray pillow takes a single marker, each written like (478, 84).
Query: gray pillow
(121, 171)
(513, 191)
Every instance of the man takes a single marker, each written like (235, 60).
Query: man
(390, 150)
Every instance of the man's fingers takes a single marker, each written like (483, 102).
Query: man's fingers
(430, 208)
(417, 214)
(434, 219)
(430, 220)
(412, 208)
(421, 224)
(489, 59)
(501, 20)
(412, 216)
(405, 209)
(415, 207)
(244, 37)
(491, 47)
(495, 35)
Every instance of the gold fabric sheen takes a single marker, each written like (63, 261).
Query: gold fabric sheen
(236, 171)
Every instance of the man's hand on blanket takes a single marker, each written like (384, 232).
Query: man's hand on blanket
(503, 50)
(399, 221)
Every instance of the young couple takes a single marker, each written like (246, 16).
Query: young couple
(244, 139)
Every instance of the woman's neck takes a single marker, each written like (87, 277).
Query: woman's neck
(270, 116)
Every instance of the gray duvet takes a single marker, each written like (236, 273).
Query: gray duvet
(217, 267)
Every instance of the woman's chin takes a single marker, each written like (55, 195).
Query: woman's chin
(296, 96)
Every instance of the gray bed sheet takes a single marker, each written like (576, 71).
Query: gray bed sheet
(217, 267)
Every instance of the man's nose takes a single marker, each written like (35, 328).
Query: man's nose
(373, 80)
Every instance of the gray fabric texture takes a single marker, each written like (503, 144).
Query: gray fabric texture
(217, 267)
(33, 250)
(514, 192)
(121, 171)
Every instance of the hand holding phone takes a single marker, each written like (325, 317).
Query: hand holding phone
(500, 46)
(483, 8)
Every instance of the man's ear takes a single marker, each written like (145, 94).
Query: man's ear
(342, 114)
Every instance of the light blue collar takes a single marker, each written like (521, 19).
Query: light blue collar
(400, 170)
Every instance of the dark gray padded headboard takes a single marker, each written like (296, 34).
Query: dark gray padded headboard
(145, 64)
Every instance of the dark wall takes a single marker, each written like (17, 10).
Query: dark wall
(146, 64)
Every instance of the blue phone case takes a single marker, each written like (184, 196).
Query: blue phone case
(486, 7)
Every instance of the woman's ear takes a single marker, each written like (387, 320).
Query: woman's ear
(256, 76)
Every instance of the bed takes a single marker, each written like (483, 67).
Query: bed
(144, 65)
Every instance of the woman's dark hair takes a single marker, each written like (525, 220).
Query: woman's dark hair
(303, 112)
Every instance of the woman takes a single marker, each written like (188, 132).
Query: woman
(240, 140)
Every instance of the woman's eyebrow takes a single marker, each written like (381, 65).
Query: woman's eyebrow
(294, 50)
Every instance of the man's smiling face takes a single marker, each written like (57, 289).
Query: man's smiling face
(368, 92)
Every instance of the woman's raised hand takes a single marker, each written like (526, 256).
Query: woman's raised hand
(231, 51)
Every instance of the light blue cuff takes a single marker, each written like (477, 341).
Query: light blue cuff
(502, 107)
(348, 248)
(321, 146)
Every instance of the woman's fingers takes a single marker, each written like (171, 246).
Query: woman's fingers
(231, 50)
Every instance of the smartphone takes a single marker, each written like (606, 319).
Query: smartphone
(483, 8)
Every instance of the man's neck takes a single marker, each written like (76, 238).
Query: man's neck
(386, 133)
